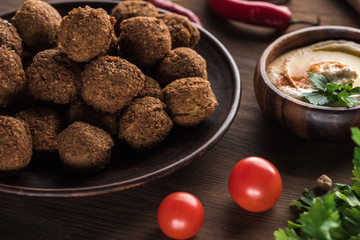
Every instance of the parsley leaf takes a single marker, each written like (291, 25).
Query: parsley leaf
(287, 234)
(331, 87)
(343, 96)
(335, 215)
(316, 98)
(349, 197)
(319, 81)
(355, 136)
(330, 92)
(321, 218)
(355, 91)
(351, 221)
(352, 102)
(347, 86)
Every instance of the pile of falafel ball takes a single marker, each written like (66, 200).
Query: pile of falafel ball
(131, 74)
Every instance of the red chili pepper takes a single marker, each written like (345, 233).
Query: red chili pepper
(173, 7)
(252, 12)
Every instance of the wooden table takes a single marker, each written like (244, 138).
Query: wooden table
(131, 214)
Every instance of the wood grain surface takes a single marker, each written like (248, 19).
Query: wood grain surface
(131, 214)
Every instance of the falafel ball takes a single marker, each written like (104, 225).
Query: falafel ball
(45, 124)
(145, 123)
(128, 9)
(110, 83)
(84, 148)
(53, 77)
(37, 23)
(15, 145)
(86, 33)
(12, 76)
(151, 88)
(183, 32)
(190, 100)
(180, 63)
(80, 111)
(144, 40)
(10, 37)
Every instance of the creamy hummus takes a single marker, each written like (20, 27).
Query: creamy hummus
(338, 61)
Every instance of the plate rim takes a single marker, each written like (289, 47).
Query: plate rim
(133, 182)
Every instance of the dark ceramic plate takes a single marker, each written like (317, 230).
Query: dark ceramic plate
(44, 176)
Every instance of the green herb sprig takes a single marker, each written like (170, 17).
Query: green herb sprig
(330, 92)
(335, 215)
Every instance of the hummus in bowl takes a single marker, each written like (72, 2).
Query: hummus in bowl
(338, 61)
(308, 81)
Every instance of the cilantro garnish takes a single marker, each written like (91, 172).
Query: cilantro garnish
(330, 92)
(335, 215)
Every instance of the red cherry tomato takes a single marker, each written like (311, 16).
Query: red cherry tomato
(180, 215)
(255, 184)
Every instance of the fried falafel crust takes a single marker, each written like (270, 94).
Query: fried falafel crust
(183, 32)
(190, 100)
(128, 9)
(12, 76)
(10, 37)
(15, 144)
(145, 123)
(45, 124)
(180, 63)
(86, 33)
(84, 148)
(144, 40)
(53, 77)
(110, 83)
(37, 23)
(151, 88)
(80, 111)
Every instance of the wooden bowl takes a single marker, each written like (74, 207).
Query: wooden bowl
(303, 119)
